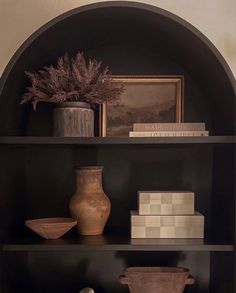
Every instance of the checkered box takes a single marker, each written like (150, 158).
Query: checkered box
(166, 202)
(146, 226)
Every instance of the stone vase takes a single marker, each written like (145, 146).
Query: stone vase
(73, 119)
(90, 206)
(156, 279)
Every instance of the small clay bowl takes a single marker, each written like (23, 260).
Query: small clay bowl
(51, 228)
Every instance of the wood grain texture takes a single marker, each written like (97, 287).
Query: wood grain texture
(73, 122)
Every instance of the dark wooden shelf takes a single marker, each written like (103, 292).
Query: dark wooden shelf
(41, 140)
(113, 243)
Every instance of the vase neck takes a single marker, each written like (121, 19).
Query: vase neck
(89, 179)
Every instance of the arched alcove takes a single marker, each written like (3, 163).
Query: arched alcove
(132, 38)
(38, 177)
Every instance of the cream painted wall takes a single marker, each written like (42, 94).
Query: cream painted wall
(216, 19)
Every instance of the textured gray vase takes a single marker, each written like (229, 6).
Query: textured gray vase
(75, 119)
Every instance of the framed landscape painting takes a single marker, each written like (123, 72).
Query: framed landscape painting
(146, 99)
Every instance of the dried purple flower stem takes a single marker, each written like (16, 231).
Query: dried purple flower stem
(73, 80)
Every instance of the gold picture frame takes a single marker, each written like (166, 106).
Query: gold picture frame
(160, 97)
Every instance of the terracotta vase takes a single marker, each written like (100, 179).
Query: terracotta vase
(90, 206)
(156, 279)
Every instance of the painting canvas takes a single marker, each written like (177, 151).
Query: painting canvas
(145, 100)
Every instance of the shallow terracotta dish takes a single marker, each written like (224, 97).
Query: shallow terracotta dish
(51, 228)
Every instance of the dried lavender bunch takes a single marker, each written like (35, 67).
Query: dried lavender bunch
(73, 80)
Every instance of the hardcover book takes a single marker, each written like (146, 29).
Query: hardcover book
(169, 126)
(167, 133)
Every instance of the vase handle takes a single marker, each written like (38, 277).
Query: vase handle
(124, 280)
(190, 280)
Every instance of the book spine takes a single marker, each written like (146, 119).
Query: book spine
(164, 192)
(167, 133)
(169, 127)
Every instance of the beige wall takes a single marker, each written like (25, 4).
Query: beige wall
(214, 18)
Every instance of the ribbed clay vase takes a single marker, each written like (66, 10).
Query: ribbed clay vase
(156, 279)
(90, 206)
(73, 119)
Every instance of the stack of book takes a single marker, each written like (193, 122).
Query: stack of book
(168, 129)
(166, 214)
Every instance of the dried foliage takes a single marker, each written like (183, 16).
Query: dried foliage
(73, 80)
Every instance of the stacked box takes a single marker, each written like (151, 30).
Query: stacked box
(166, 203)
(189, 226)
(166, 214)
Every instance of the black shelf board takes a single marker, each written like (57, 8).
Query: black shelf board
(113, 243)
(50, 140)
